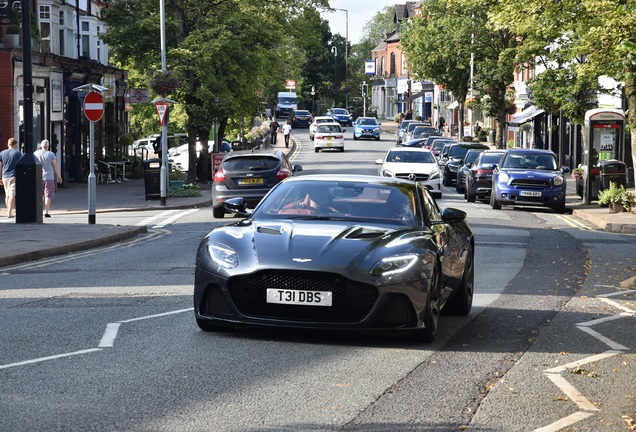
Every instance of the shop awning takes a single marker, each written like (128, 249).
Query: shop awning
(416, 95)
(453, 105)
(525, 116)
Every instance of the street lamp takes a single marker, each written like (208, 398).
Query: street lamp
(334, 50)
(346, 11)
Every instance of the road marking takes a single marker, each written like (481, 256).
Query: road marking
(150, 220)
(108, 339)
(587, 360)
(572, 393)
(174, 218)
(53, 357)
(574, 223)
(566, 421)
(607, 341)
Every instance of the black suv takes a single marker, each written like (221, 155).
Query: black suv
(249, 174)
(454, 158)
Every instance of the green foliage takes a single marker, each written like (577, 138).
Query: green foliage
(617, 195)
(185, 191)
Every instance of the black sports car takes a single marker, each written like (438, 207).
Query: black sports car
(343, 252)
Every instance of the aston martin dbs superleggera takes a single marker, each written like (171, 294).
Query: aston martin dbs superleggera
(345, 252)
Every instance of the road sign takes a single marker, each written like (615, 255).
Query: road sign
(93, 106)
(162, 110)
(290, 84)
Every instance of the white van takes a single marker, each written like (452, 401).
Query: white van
(285, 104)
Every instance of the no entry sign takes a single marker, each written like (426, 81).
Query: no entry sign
(93, 106)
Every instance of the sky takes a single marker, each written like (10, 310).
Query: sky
(360, 13)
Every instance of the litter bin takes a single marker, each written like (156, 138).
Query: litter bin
(491, 136)
(612, 171)
(152, 178)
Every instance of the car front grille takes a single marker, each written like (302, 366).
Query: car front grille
(418, 177)
(351, 301)
(530, 184)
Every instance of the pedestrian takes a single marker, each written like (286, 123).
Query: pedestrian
(50, 173)
(156, 146)
(409, 115)
(273, 127)
(9, 157)
(441, 123)
(287, 132)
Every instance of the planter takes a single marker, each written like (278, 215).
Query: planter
(12, 40)
(176, 184)
(616, 208)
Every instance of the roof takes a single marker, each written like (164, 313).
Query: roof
(525, 116)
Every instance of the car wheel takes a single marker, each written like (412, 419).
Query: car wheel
(209, 326)
(428, 333)
(355, 138)
(342, 149)
(377, 138)
(470, 197)
(317, 149)
(458, 187)
(493, 200)
(560, 208)
(311, 137)
(462, 300)
(218, 212)
(447, 180)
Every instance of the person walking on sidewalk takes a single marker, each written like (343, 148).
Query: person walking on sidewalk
(287, 132)
(9, 157)
(273, 128)
(50, 173)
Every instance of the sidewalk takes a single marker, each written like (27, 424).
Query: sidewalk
(26, 242)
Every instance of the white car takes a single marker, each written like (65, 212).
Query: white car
(318, 120)
(178, 156)
(329, 136)
(412, 163)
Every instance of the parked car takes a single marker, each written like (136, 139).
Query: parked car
(337, 252)
(529, 177)
(467, 162)
(408, 132)
(316, 121)
(424, 132)
(454, 158)
(300, 118)
(249, 174)
(329, 136)
(341, 115)
(401, 129)
(419, 142)
(143, 147)
(437, 144)
(479, 176)
(412, 163)
(366, 127)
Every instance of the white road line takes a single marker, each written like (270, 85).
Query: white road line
(150, 220)
(174, 218)
(601, 320)
(108, 339)
(566, 421)
(156, 315)
(619, 306)
(573, 394)
(41, 359)
(607, 341)
(587, 360)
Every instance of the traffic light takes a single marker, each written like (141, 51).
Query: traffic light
(365, 87)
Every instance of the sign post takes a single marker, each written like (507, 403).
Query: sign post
(163, 112)
(94, 111)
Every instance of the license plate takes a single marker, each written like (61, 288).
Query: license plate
(328, 138)
(250, 181)
(298, 297)
(530, 193)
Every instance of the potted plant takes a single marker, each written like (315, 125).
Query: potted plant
(618, 199)
(12, 36)
(164, 82)
(176, 177)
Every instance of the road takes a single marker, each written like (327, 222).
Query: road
(105, 339)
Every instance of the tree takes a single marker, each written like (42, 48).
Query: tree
(227, 53)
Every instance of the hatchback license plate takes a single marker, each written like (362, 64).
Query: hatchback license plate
(250, 181)
(530, 193)
(298, 297)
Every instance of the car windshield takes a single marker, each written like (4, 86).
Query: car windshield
(410, 157)
(340, 200)
(367, 121)
(458, 152)
(490, 159)
(286, 100)
(339, 111)
(471, 156)
(250, 163)
(304, 113)
(328, 128)
(438, 145)
(541, 161)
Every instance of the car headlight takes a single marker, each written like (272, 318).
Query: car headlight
(376, 129)
(393, 265)
(387, 173)
(502, 178)
(558, 180)
(435, 174)
(222, 255)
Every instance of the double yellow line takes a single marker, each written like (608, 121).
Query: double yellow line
(574, 223)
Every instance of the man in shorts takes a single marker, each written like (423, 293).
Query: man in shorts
(9, 157)
(50, 173)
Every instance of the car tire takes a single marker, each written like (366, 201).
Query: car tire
(377, 138)
(447, 180)
(494, 204)
(218, 212)
(471, 198)
(560, 208)
(461, 302)
(428, 333)
(342, 149)
(311, 137)
(458, 188)
(355, 138)
(209, 326)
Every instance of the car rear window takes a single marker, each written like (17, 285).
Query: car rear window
(328, 128)
(491, 158)
(250, 163)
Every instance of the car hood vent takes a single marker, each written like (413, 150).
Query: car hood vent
(270, 230)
